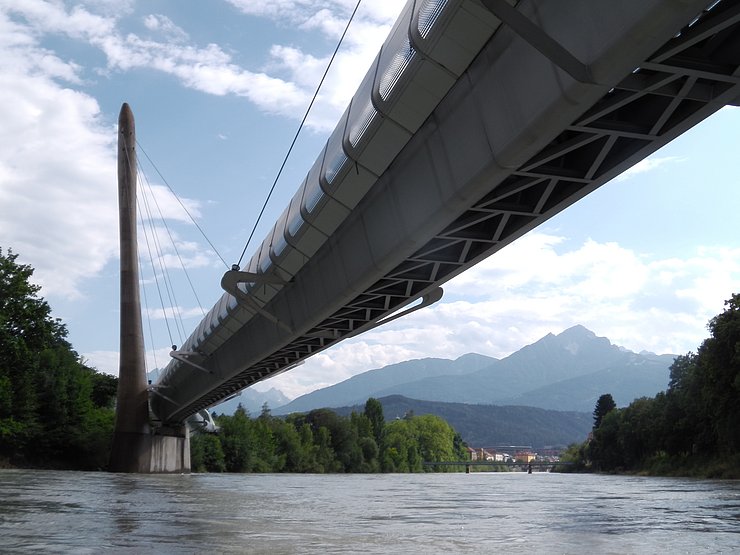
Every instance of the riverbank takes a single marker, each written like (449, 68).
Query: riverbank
(694, 466)
(725, 468)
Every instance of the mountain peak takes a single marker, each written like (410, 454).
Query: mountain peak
(561, 371)
(577, 331)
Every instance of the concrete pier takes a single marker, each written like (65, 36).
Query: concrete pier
(137, 446)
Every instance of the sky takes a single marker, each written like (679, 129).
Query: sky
(218, 90)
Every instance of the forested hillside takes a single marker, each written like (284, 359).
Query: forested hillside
(55, 411)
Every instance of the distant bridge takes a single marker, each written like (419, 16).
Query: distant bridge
(539, 465)
(477, 121)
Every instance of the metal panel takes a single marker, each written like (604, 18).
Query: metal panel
(461, 30)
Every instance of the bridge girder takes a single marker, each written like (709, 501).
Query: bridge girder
(481, 171)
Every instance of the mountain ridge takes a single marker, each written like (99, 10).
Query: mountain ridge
(556, 372)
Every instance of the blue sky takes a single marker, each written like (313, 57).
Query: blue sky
(218, 89)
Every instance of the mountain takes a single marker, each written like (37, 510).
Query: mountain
(487, 426)
(566, 372)
(639, 376)
(389, 378)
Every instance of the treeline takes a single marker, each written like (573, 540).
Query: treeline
(54, 410)
(692, 428)
(322, 441)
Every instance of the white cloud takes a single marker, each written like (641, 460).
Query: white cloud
(303, 69)
(57, 163)
(170, 312)
(159, 202)
(163, 24)
(211, 70)
(57, 172)
(647, 165)
(300, 12)
(102, 361)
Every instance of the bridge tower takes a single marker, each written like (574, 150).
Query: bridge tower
(138, 444)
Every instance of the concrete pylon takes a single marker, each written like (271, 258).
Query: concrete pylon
(137, 447)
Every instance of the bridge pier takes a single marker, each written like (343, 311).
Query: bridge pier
(170, 451)
(164, 451)
(138, 446)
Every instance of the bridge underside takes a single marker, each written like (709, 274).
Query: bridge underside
(515, 141)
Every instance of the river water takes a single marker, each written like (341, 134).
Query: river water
(77, 512)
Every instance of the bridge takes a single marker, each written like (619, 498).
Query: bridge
(477, 121)
(543, 466)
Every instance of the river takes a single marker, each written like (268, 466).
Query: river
(78, 512)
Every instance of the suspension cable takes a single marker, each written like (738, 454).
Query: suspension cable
(172, 239)
(156, 282)
(300, 127)
(149, 323)
(165, 273)
(151, 258)
(192, 219)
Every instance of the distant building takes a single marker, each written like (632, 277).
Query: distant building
(525, 456)
(482, 454)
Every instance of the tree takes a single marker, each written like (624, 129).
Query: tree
(367, 451)
(605, 450)
(693, 427)
(206, 453)
(343, 438)
(54, 410)
(720, 361)
(374, 412)
(398, 440)
(237, 440)
(435, 439)
(604, 405)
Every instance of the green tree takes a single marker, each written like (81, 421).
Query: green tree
(605, 450)
(374, 413)
(325, 457)
(577, 455)
(693, 426)
(237, 439)
(720, 362)
(366, 454)
(640, 433)
(398, 447)
(289, 448)
(604, 405)
(411, 441)
(435, 440)
(49, 414)
(206, 453)
(300, 449)
(343, 439)
(323, 441)
(264, 457)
